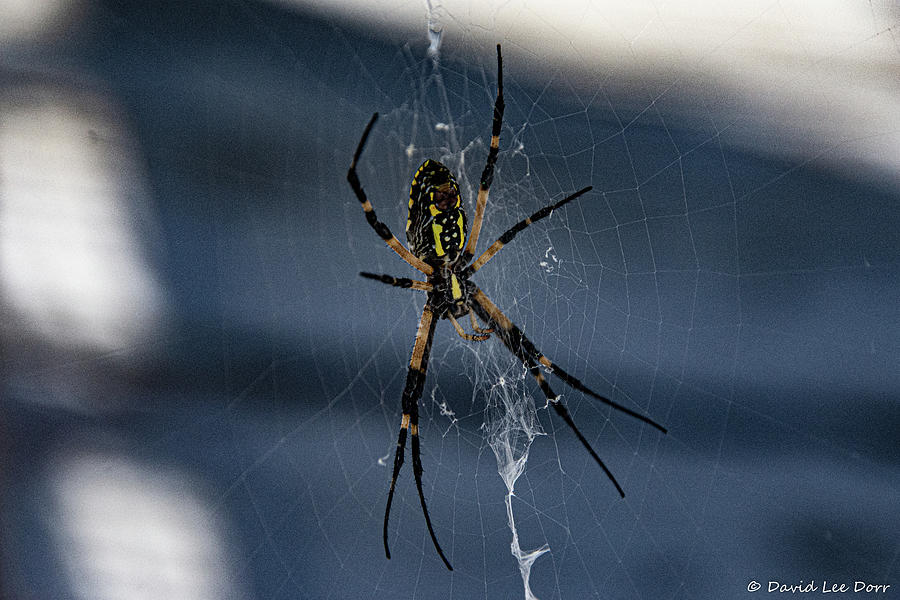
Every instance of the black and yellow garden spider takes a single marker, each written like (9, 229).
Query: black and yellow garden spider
(439, 247)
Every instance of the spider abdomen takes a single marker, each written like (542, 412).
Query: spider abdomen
(436, 225)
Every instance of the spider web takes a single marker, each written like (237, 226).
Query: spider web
(732, 274)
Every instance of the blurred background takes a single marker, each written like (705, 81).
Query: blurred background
(199, 397)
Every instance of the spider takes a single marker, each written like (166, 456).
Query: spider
(442, 248)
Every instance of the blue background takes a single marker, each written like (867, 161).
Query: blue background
(754, 313)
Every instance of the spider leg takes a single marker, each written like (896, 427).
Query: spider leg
(475, 326)
(380, 228)
(487, 176)
(562, 411)
(510, 233)
(487, 310)
(513, 338)
(412, 392)
(466, 336)
(490, 313)
(401, 282)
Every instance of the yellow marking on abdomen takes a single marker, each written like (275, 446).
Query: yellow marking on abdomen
(462, 232)
(438, 247)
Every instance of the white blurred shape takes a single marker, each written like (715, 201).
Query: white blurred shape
(28, 19)
(793, 77)
(129, 532)
(71, 267)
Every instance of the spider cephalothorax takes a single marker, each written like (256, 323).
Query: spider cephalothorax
(441, 250)
(451, 295)
(436, 225)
